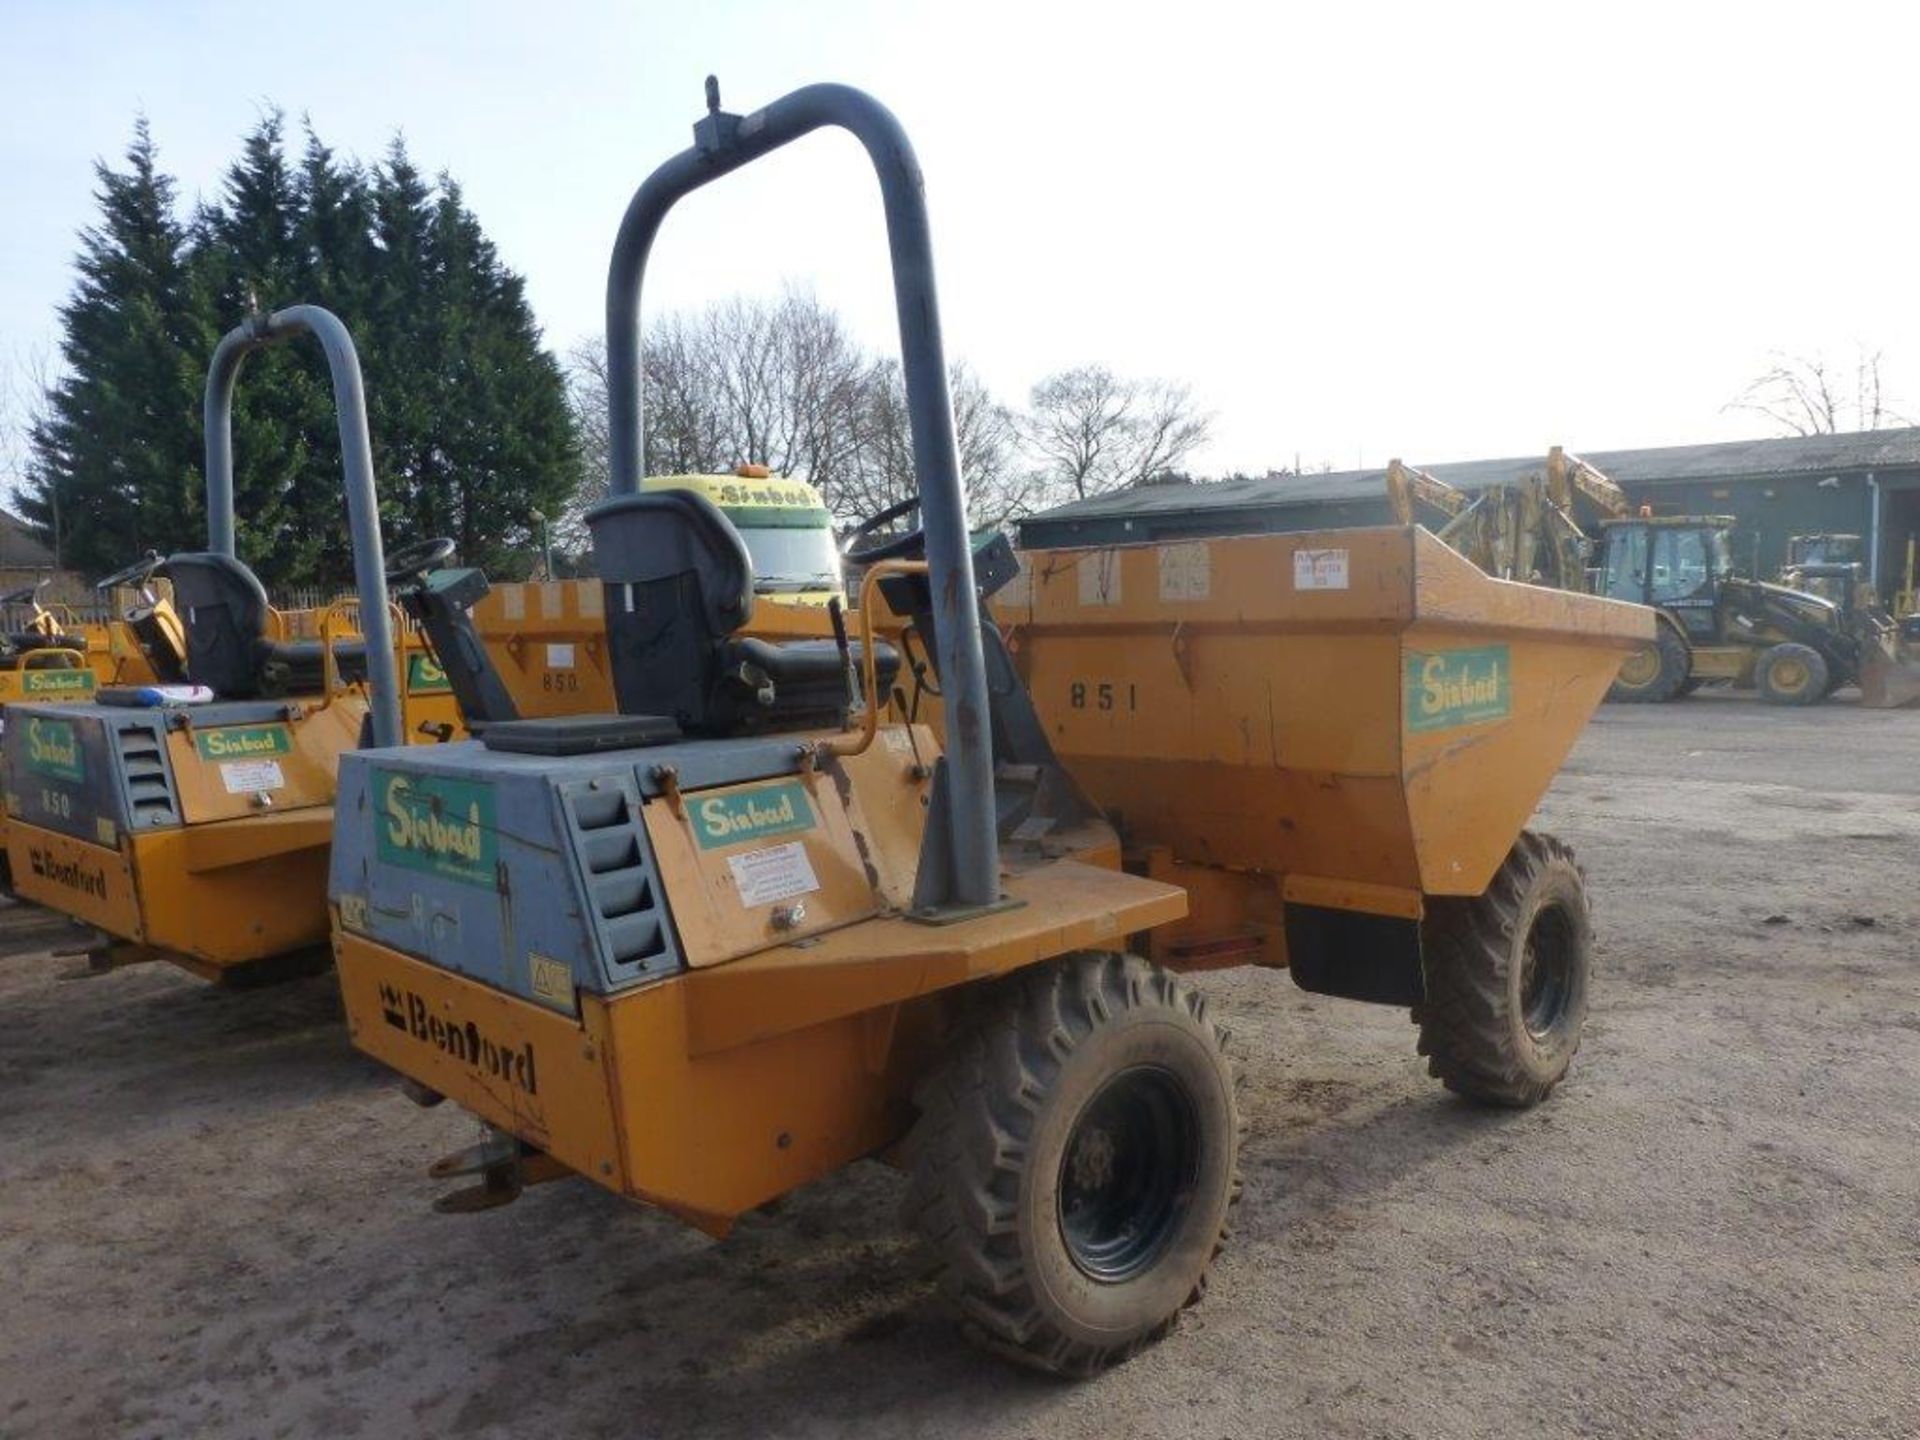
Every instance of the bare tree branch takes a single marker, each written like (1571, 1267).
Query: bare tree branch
(1797, 394)
(1090, 431)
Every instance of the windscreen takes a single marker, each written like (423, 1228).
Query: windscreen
(788, 559)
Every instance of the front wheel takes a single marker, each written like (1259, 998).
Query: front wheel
(1792, 674)
(1075, 1159)
(1506, 977)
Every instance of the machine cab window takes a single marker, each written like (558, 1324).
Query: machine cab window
(1686, 563)
(1627, 564)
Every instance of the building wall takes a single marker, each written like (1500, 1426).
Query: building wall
(1768, 511)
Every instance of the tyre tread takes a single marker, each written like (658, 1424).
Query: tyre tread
(1465, 1020)
(966, 1152)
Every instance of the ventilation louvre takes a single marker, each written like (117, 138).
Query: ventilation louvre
(143, 761)
(617, 866)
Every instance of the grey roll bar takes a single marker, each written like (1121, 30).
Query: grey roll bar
(356, 452)
(965, 860)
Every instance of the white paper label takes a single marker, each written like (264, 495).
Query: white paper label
(778, 872)
(560, 657)
(1186, 570)
(246, 777)
(1019, 587)
(1319, 569)
(1100, 578)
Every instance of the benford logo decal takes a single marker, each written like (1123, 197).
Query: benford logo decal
(463, 1041)
(59, 682)
(53, 749)
(444, 827)
(243, 742)
(751, 814)
(71, 874)
(1457, 687)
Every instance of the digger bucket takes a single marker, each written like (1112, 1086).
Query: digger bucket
(1889, 678)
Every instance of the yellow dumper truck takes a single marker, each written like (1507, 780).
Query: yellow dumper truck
(756, 925)
(191, 823)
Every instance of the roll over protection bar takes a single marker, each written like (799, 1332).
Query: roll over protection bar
(356, 453)
(960, 868)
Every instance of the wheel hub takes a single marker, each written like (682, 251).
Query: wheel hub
(1640, 667)
(1127, 1173)
(1546, 972)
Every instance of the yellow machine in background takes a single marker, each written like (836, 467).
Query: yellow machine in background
(1796, 644)
(756, 925)
(547, 639)
(190, 822)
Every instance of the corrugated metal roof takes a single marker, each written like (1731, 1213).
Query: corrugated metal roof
(1665, 465)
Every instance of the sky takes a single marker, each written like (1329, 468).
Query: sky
(1438, 231)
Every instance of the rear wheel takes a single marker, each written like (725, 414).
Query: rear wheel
(1506, 977)
(1655, 672)
(1075, 1158)
(1792, 674)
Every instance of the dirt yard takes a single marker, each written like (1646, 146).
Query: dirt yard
(214, 1218)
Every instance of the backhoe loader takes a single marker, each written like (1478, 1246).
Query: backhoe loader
(1796, 646)
(758, 923)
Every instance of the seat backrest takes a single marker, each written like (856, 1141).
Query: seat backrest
(225, 609)
(678, 581)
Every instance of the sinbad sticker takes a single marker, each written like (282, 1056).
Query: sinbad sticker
(440, 826)
(751, 814)
(58, 682)
(1458, 687)
(243, 742)
(53, 750)
(424, 677)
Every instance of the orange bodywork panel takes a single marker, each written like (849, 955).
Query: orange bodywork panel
(92, 883)
(212, 895)
(1361, 707)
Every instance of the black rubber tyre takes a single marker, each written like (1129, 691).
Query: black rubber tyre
(1656, 673)
(1507, 974)
(1075, 1159)
(1792, 674)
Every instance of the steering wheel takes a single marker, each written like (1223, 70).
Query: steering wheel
(913, 542)
(135, 574)
(412, 562)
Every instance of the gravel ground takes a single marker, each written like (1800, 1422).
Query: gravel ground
(214, 1218)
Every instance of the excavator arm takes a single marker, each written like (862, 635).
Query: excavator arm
(1407, 484)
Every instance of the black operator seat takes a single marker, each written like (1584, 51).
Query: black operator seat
(678, 583)
(225, 610)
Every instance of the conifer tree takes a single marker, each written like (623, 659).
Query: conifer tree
(472, 434)
(115, 464)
